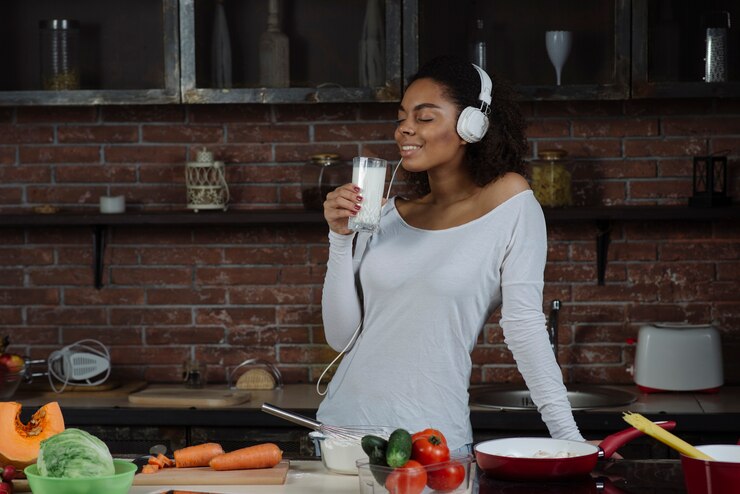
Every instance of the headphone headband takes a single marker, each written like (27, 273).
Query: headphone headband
(486, 86)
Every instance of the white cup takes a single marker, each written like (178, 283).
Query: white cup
(369, 175)
(112, 204)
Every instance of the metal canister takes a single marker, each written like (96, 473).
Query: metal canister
(321, 174)
(715, 58)
(551, 182)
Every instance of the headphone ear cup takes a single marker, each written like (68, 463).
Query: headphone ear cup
(472, 124)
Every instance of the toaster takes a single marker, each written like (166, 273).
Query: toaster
(678, 357)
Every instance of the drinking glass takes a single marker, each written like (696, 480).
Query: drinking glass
(369, 175)
(558, 48)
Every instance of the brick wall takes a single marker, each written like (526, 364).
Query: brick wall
(223, 294)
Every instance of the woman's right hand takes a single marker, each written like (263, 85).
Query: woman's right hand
(340, 204)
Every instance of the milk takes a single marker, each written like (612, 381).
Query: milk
(369, 175)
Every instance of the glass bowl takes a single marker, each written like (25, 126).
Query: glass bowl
(444, 476)
(340, 455)
(9, 382)
(118, 483)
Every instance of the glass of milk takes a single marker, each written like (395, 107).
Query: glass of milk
(369, 175)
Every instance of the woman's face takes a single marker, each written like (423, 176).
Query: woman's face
(426, 134)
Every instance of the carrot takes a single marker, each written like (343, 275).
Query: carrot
(265, 455)
(153, 460)
(197, 456)
(166, 462)
(149, 468)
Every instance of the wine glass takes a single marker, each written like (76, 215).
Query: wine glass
(558, 48)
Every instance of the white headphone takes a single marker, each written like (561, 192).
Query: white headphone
(473, 122)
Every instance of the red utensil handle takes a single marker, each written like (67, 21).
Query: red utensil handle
(613, 442)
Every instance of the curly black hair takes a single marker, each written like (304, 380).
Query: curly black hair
(504, 146)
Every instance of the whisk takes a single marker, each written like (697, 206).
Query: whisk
(338, 432)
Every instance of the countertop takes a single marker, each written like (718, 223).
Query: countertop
(718, 412)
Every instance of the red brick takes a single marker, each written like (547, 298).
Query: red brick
(605, 333)
(264, 173)
(586, 148)
(576, 108)
(254, 194)
(616, 374)
(730, 271)
(98, 133)
(63, 316)
(675, 168)
(11, 196)
(257, 275)
(65, 195)
(107, 296)
(60, 154)
(122, 355)
(669, 147)
(36, 335)
(151, 276)
(144, 113)
(11, 277)
(56, 114)
(321, 112)
(668, 313)
(659, 189)
(354, 132)
(645, 127)
(182, 133)
(6, 114)
(266, 255)
(710, 125)
(22, 174)
(239, 153)
(701, 251)
(29, 296)
(302, 274)
(180, 296)
(10, 315)
(141, 194)
(305, 354)
(387, 151)
(151, 235)
(7, 157)
(26, 134)
(237, 316)
(296, 314)
(378, 111)
(95, 173)
(724, 144)
(300, 153)
(60, 276)
(154, 316)
(269, 336)
(501, 374)
(107, 335)
(27, 257)
(255, 113)
(683, 106)
(275, 295)
(188, 335)
(499, 354)
(607, 169)
(590, 312)
(665, 230)
(267, 134)
(547, 128)
(145, 154)
(570, 272)
(187, 256)
(595, 354)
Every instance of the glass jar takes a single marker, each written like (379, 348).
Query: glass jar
(550, 179)
(59, 44)
(321, 174)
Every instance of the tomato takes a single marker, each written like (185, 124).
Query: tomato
(409, 479)
(446, 478)
(429, 449)
(427, 433)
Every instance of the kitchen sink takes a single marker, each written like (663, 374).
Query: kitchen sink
(581, 397)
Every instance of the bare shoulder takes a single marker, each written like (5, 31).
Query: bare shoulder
(503, 189)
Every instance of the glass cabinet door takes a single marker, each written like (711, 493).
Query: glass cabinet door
(685, 49)
(337, 50)
(75, 52)
(594, 52)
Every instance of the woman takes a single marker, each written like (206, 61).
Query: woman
(440, 265)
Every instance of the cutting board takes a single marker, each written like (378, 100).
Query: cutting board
(206, 476)
(180, 396)
(109, 389)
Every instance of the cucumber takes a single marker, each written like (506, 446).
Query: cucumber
(399, 448)
(375, 448)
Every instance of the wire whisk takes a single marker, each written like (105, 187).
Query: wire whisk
(339, 432)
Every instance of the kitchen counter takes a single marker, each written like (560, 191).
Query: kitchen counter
(691, 410)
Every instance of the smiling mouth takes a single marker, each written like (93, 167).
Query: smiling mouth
(410, 148)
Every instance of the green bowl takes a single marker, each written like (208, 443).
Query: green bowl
(118, 483)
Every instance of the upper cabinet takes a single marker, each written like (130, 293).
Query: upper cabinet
(685, 49)
(288, 51)
(529, 42)
(80, 52)
(90, 52)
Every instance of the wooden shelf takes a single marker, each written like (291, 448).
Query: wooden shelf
(603, 216)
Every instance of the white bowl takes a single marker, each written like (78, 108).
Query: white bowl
(340, 455)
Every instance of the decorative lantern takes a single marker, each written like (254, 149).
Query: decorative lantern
(206, 183)
(710, 182)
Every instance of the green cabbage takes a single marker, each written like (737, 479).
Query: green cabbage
(74, 453)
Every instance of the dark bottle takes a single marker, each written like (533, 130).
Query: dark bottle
(322, 174)
(60, 45)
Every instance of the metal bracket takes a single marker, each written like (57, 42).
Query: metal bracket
(99, 232)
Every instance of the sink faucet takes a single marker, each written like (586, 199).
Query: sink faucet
(552, 327)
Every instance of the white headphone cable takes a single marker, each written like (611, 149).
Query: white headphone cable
(359, 326)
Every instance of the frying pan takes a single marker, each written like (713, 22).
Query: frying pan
(707, 477)
(518, 458)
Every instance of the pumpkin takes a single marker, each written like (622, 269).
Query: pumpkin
(20, 442)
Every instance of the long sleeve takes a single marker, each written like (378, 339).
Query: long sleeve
(524, 324)
(340, 304)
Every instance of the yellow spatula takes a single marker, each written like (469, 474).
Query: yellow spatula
(644, 425)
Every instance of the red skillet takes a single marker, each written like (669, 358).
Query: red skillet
(515, 458)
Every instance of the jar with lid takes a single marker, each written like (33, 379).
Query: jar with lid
(59, 44)
(551, 182)
(321, 174)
